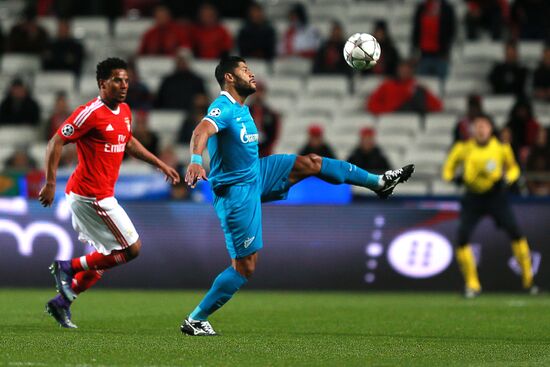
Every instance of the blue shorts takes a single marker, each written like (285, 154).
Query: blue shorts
(239, 206)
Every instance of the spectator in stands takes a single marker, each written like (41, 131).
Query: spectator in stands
(541, 78)
(316, 143)
(27, 36)
(530, 19)
(18, 107)
(389, 58)
(328, 59)
(538, 163)
(487, 15)
(166, 36)
(20, 161)
(523, 125)
(433, 35)
(139, 97)
(200, 105)
(178, 90)
(509, 77)
(211, 40)
(367, 155)
(59, 114)
(300, 38)
(464, 126)
(64, 52)
(142, 132)
(267, 120)
(403, 94)
(257, 37)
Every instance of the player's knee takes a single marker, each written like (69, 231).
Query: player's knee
(133, 251)
(310, 163)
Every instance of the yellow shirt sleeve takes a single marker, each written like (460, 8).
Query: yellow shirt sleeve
(453, 160)
(510, 164)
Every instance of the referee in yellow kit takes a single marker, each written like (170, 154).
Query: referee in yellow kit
(487, 167)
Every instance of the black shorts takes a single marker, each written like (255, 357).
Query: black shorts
(494, 204)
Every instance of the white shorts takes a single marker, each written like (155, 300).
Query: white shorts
(103, 224)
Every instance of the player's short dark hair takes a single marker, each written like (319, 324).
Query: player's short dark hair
(105, 68)
(226, 65)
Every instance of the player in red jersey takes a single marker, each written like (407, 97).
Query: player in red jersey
(102, 132)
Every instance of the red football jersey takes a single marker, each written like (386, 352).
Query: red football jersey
(101, 135)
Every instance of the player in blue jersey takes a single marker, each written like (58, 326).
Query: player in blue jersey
(241, 181)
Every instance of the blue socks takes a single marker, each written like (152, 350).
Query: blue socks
(339, 172)
(224, 287)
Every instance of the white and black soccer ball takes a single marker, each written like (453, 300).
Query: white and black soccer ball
(362, 51)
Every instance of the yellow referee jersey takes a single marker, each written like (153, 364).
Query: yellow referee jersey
(482, 165)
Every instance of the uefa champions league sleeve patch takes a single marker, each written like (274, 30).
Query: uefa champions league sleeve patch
(67, 130)
(215, 112)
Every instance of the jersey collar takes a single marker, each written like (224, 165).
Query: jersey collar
(229, 96)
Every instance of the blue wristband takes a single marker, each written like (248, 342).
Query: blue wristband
(196, 159)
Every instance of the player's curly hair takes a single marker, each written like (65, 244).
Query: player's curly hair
(227, 65)
(106, 67)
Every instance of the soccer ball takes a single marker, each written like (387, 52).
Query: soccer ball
(361, 51)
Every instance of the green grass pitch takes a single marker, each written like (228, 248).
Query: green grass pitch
(141, 328)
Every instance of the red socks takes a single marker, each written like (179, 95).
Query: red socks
(85, 279)
(97, 261)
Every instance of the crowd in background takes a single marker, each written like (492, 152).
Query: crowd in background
(191, 30)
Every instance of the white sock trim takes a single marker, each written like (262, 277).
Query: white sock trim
(84, 263)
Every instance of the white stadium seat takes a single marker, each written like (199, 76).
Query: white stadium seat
(52, 81)
(444, 188)
(443, 123)
(366, 85)
(17, 135)
(20, 64)
(132, 28)
(412, 188)
(259, 67)
(88, 86)
(399, 123)
(395, 141)
(204, 68)
(285, 86)
(165, 122)
(86, 27)
(154, 66)
(498, 104)
(319, 105)
(483, 50)
(327, 86)
(292, 66)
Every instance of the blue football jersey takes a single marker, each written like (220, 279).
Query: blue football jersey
(234, 148)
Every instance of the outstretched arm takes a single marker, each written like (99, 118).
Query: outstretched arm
(53, 154)
(137, 150)
(195, 171)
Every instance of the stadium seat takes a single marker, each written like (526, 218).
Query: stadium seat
(165, 122)
(498, 104)
(20, 64)
(154, 66)
(259, 67)
(328, 11)
(396, 141)
(5, 152)
(49, 24)
(354, 122)
(483, 50)
(358, 26)
(281, 104)
(440, 123)
(337, 86)
(531, 50)
(37, 152)
(319, 105)
(366, 85)
(132, 28)
(297, 125)
(399, 123)
(204, 68)
(395, 158)
(434, 142)
(126, 47)
(461, 86)
(284, 86)
(292, 66)
(183, 153)
(352, 104)
(15, 135)
(88, 86)
(52, 81)
(433, 84)
(95, 27)
(153, 82)
(455, 104)
(427, 163)
(233, 26)
(369, 10)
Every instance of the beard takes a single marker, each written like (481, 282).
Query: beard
(243, 88)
